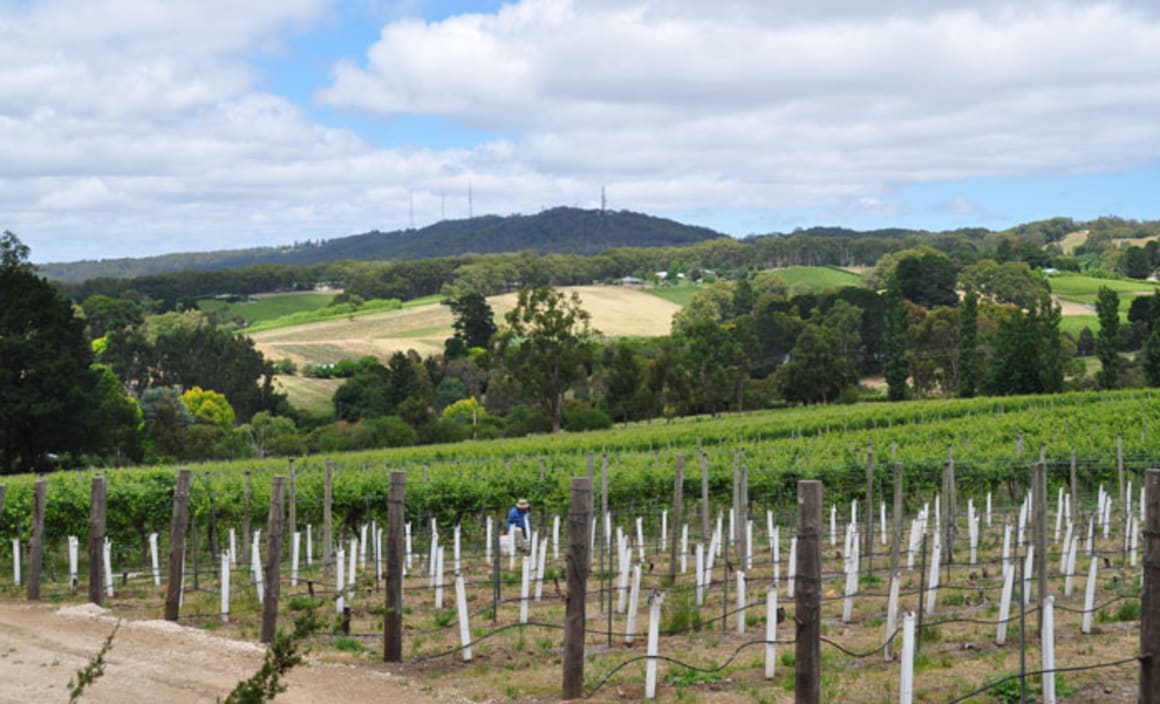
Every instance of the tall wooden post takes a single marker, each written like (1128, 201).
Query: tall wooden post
(1150, 598)
(273, 575)
(704, 498)
(1120, 470)
(1039, 494)
(327, 525)
(1074, 503)
(896, 538)
(393, 617)
(675, 528)
(868, 532)
(36, 543)
(292, 521)
(735, 525)
(246, 537)
(743, 517)
(3, 491)
(177, 527)
(579, 516)
(97, 540)
(807, 677)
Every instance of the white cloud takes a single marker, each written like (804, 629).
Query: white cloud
(771, 101)
(137, 124)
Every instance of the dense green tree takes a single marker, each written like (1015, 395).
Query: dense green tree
(46, 383)
(1150, 359)
(105, 314)
(928, 280)
(744, 297)
(166, 420)
(215, 358)
(209, 407)
(933, 352)
(1108, 339)
(474, 322)
(275, 436)
(968, 350)
(1011, 282)
(1136, 263)
(845, 321)
(122, 423)
(545, 345)
(1027, 356)
(1085, 344)
(896, 366)
(816, 371)
(715, 361)
(624, 377)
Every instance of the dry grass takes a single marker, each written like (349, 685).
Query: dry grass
(616, 312)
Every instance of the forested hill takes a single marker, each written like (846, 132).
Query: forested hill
(559, 230)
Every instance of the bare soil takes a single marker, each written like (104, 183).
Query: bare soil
(42, 648)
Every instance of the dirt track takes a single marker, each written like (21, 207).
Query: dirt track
(42, 647)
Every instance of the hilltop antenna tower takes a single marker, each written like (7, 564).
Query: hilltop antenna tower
(443, 205)
(603, 202)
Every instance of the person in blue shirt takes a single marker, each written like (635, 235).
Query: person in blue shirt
(518, 518)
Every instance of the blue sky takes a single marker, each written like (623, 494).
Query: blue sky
(136, 127)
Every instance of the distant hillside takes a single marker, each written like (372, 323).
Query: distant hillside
(559, 230)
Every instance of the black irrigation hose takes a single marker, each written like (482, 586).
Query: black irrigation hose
(665, 658)
(1009, 678)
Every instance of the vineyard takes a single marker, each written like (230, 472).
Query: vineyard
(705, 552)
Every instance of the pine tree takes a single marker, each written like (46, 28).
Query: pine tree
(896, 367)
(1107, 342)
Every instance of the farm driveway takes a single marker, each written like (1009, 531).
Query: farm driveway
(42, 647)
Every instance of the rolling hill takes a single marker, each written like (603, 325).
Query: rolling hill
(559, 230)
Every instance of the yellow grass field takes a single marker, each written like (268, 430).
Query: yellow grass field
(616, 312)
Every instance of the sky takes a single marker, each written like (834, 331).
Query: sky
(138, 127)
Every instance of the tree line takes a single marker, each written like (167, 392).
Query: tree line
(108, 379)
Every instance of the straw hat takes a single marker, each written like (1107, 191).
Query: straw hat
(522, 503)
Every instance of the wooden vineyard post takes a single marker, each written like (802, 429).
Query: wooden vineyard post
(743, 517)
(1074, 503)
(36, 543)
(393, 617)
(246, 537)
(678, 501)
(327, 526)
(868, 533)
(895, 544)
(579, 515)
(807, 678)
(97, 540)
(1120, 471)
(274, 530)
(1150, 598)
(292, 520)
(704, 497)
(1039, 492)
(177, 544)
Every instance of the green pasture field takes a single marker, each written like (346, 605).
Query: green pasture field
(1085, 289)
(819, 278)
(681, 294)
(1073, 324)
(266, 307)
